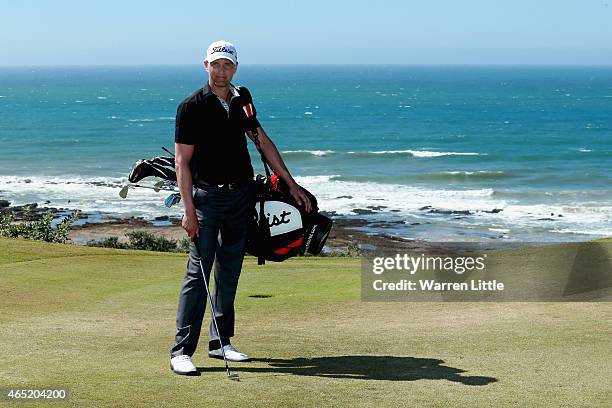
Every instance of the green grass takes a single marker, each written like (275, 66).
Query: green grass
(101, 322)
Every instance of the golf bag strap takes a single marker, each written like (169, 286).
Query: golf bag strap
(263, 227)
(261, 155)
(264, 233)
(246, 97)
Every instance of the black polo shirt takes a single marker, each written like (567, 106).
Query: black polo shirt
(220, 154)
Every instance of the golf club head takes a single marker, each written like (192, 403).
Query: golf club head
(158, 186)
(172, 199)
(124, 191)
(233, 377)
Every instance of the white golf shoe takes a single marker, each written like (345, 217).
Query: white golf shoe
(182, 365)
(231, 354)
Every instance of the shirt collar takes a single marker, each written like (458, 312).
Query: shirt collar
(206, 90)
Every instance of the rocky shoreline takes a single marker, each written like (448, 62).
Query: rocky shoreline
(355, 234)
(348, 235)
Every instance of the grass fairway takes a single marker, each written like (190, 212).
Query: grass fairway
(101, 322)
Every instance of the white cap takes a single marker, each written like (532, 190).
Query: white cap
(222, 49)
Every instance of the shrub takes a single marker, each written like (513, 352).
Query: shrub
(110, 242)
(40, 230)
(183, 245)
(147, 241)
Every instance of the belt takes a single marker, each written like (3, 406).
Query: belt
(222, 186)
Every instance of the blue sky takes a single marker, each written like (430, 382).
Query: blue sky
(67, 32)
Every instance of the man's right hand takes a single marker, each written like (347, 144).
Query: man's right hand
(190, 224)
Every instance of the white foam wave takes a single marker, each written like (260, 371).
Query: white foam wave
(470, 173)
(313, 152)
(141, 120)
(584, 150)
(502, 230)
(425, 153)
(85, 194)
(341, 197)
(606, 232)
(333, 193)
(414, 153)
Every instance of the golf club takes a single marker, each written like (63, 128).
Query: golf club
(172, 199)
(234, 376)
(168, 151)
(159, 185)
(157, 188)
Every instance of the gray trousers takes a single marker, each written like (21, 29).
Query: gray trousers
(223, 219)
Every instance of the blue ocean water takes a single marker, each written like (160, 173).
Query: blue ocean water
(526, 151)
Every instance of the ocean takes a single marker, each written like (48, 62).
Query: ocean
(444, 153)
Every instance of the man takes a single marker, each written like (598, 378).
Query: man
(214, 172)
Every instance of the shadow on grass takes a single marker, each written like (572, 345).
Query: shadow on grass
(388, 368)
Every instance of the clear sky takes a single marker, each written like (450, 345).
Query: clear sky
(71, 32)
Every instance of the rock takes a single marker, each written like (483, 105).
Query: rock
(175, 220)
(385, 224)
(4, 203)
(162, 218)
(25, 207)
(344, 196)
(450, 212)
(363, 211)
(494, 211)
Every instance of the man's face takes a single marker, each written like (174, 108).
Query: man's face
(220, 71)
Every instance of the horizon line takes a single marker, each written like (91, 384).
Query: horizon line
(312, 65)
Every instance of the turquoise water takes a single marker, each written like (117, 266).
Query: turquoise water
(533, 142)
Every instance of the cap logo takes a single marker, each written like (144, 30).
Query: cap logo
(222, 48)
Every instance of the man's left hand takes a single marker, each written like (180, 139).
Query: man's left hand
(300, 197)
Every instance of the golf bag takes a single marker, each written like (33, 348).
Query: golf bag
(160, 166)
(279, 228)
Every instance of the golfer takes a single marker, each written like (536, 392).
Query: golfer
(214, 175)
